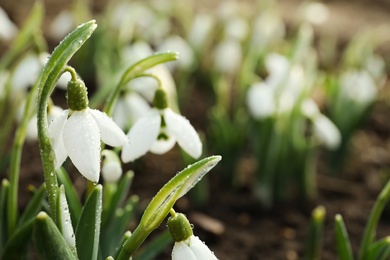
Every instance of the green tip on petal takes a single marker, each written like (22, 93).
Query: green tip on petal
(179, 227)
(77, 95)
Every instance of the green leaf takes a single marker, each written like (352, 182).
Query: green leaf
(155, 247)
(342, 239)
(75, 206)
(118, 198)
(379, 250)
(88, 228)
(110, 236)
(314, 241)
(17, 246)
(34, 206)
(48, 241)
(164, 200)
(177, 187)
(3, 213)
(124, 238)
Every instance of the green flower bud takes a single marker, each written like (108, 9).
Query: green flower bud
(179, 227)
(77, 95)
(160, 100)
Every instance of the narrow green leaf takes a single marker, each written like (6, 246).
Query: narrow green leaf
(73, 199)
(110, 236)
(3, 213)
(122, 242)
(17, 246)
(314, 241)
(48, 241)
(155, 247)
(34, 206)
(177, 187)
(164, 200)
(118, 197)
(88, 228)
(379, 249)
(342, 239)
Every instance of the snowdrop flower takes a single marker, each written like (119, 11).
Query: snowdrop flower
(237, 28)
(261, 100)
(187, 246)
(62, 24)
(326, 132)
(201, 28)
(111, 169)
(358, 86)
(262, 35)
(27, 72)
(159, 130)
(8, 29)
(315, 13)
(187, 56)
(324, 129)
(228, 56)
(129, 108)
(77, 132)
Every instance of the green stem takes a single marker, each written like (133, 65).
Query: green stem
(16, 154)
(133, 243)
(376, 212)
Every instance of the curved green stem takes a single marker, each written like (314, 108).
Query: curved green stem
(55, 66)
(376, 212)
(137, 70)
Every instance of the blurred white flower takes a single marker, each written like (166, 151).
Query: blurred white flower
(228, 56)
(261, 100)
(186, 54)
(8, 29)
(192, 249)
(129, 108)
(61, 25)
(315, 13)
(201, 28)
(79, 138)
(111, 169)
(326, 131)
(236, 28)
(358, 86)
(152, 134)
(262, 36)
(309, 108)
(278, 67)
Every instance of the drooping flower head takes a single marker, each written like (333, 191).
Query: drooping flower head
(159, 130)
(187, 246)
(77, 132)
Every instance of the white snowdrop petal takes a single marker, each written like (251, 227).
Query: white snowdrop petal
(163, 146)
(137, 106)
(55, 132)
(26, 72)
(120, 114)
(62, 24)
(82, 142)
(110, 133)
(327, 132)
(200, 250)
(8, 29)
(309, 108)
(182, 251)
(141, 136)
(184, 132)
(261, 101)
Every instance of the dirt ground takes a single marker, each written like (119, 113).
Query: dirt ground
(232, 223)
